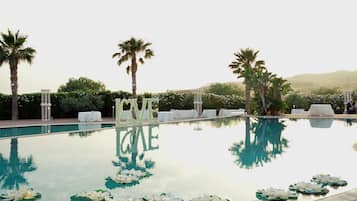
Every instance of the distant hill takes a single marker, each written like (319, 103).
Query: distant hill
(306, 83)
(340, 79)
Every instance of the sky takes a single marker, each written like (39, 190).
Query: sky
(193, 40)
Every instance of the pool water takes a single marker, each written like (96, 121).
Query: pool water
(44, 129)
(231, 158)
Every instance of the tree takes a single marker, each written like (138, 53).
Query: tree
(261, 83)
(245, 61)
(225, 89)
(82, 84)
(279, 88)
(12, 51)
(131, 50)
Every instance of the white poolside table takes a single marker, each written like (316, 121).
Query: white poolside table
(91, 116)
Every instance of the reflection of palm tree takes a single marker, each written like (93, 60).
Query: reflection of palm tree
(226, 122)
(254, 154)
(12, 170)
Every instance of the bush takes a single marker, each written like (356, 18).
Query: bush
(304, 101)
(225, 89)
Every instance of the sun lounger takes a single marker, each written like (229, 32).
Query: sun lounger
(184, 114)
(209, 113)
(231, 112)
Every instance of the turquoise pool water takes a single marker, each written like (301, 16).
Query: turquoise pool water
(231, 158)
(44, 129)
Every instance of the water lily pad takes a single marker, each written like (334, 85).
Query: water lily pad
(97, 195)
(209, 198)
(308, 188)
(24, 194)
(276, 194)
(327, 180)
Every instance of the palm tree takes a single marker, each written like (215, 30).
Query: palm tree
(130, 50)
(12, 170)
(261, 83)
(245, 61)
(279, 88)
(12, 51)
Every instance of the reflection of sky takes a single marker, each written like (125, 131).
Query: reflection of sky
(189, 163)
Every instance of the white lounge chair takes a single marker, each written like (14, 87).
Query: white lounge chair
(231, 112)
(209, 113)
(165, 116)
(184, 114)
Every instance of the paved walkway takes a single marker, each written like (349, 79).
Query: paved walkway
(350, 195)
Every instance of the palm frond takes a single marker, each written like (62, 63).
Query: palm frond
(128, 68)
(148, 54)
(141, 60)
(117, 54)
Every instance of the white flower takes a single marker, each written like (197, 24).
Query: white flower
(95, 195)
(163, 197)
(21, 194)
(326, 179)
(209, 198)
(308, 188)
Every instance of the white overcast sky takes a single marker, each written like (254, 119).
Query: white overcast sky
(194, 40)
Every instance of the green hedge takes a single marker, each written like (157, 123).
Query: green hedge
(304, 101)
(67, 105)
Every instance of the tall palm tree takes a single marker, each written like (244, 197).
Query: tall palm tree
(12, 51)
(243, 65)
(135, 50)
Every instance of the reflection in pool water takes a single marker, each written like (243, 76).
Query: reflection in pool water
(12, 170)
(131, 156)
(231, 158)
(257, 152)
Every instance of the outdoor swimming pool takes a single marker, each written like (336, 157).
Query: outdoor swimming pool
(230, 157)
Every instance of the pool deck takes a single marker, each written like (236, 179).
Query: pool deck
(350, 195)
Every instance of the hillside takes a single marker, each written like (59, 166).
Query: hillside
(339, 79)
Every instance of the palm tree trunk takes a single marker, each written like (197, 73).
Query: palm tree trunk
(13, 78)
(14, 156)
(262, 97)
(247, 98)
(133, 75)
(247, 131)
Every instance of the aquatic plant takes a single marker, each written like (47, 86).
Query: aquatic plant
(327, 180)
(97, 195)
(209, 198)
(275, 194)
(308, 188)
(23, 194)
